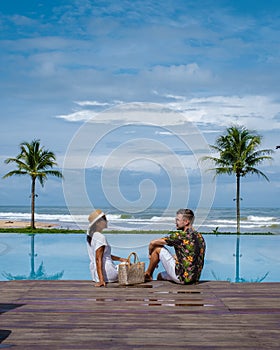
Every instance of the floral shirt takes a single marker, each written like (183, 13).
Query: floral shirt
(190, 250)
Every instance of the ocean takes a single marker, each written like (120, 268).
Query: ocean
(253, 220)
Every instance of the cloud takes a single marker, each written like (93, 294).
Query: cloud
(180, 74)
(92, 103)
(23, 21)
(83, 115)
(255, 112)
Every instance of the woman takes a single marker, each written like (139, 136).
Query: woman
(102, 267)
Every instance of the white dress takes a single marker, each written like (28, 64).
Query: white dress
(110, 271)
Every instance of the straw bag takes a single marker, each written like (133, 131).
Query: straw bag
(132, 273)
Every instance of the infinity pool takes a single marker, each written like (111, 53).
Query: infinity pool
(64, 256)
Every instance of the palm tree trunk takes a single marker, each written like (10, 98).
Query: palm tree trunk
(32, 256)
(238, 203)
(237, 257)
(33, 204)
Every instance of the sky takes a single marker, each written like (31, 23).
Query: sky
(130, 94)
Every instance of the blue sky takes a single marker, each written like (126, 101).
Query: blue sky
(129, 94)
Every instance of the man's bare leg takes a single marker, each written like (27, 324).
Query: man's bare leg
(154, 260)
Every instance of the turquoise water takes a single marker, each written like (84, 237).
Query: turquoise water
(64, 256)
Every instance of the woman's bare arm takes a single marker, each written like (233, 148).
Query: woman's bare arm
(99, 266)
(117, 258)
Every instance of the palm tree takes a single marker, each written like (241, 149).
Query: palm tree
(35, 161)
(239, 155)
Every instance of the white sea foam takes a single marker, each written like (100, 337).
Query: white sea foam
(261, 218)
(224, 219)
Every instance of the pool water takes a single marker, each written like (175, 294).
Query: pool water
(252, 258)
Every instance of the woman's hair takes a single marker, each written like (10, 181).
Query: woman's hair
(91, 231)
(187, 214)
(89, 239)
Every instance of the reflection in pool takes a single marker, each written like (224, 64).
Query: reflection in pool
(39, 274)
(64, 256)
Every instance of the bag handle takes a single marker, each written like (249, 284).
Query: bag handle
(135, 257)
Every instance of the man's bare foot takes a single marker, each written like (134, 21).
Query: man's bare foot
(148, 277)
(159, 277)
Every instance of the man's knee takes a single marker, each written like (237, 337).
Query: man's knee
(156, 250)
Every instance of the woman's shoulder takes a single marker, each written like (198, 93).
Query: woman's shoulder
(99, 236)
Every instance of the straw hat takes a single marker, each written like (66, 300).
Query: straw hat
(94, 216)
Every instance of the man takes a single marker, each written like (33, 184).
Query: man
(187, 263)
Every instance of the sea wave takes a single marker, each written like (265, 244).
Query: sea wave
(41, 217)
(261, 218)
(223, 219)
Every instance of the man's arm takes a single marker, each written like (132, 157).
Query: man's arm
(159, 242)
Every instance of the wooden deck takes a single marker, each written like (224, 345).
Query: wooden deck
(156, 315)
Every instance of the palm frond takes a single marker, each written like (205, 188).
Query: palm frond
(14, 172)
(238, 152)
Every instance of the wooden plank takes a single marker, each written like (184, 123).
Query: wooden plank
(157, 315)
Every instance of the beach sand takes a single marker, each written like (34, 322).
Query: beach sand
(23, 224)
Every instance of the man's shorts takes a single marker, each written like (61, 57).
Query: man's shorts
(168, 263)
